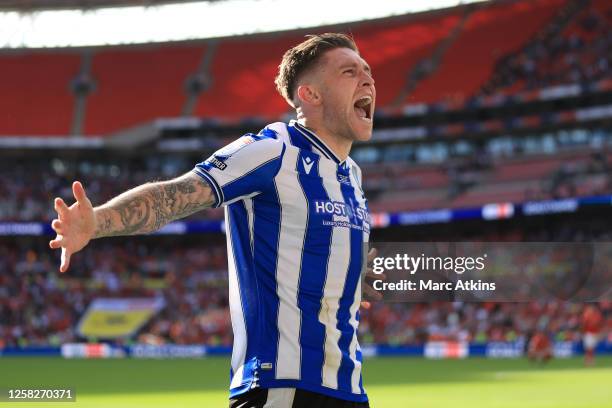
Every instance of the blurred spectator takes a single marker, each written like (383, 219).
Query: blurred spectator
(581, 53)
(39, 306)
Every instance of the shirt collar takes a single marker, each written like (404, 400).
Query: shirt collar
(317, 143)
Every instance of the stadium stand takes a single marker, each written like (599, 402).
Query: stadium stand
(242, 73)
(393, 50)
(479, 323)
(488, 34)
(35, 89)
(41, 307)
(579, 54)
(138, 84)
(392, 184)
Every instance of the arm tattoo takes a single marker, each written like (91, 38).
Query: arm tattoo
(149, 207)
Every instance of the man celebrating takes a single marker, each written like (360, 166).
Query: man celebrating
(297, 221)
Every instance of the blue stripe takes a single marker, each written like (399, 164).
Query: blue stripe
(360, 359)
(249, 373)
(253, 181)
(314, 139)
(315, 258)
(247, 283)
(348, 295)
(298, 140)
(267, 133)
(267, 225)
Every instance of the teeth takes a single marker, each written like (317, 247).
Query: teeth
(364, 101)
(362, 107)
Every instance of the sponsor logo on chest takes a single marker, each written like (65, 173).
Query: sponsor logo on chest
(341, 209)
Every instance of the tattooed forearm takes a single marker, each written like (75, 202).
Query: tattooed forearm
(149, 207)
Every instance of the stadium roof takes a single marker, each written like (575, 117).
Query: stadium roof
(31, 5)
(189, 20)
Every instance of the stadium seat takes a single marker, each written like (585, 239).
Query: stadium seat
(393, 49)
(242, 84)
(35, 89)
(243, 72)
(490, 33)
(139, 84)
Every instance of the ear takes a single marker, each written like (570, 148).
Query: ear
(308, 94)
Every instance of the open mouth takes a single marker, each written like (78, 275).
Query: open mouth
(363, 108)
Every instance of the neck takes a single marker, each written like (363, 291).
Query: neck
(338, 144)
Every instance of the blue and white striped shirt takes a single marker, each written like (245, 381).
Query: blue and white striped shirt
(297, 221)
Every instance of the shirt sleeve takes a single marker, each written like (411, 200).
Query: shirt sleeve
(243, 168)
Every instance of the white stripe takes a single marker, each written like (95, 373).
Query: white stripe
(337, 269)
(280, 398)
(246, 159)
(356, 374)
(281, 131)
(294, 217)
(237, 315)
(248, 205)
(245, 197)
(237, 378)
(354, 346)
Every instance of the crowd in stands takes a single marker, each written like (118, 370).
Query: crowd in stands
(30, 187)
(394, 323)
(580, 53)
(40, 306)
(453, 55)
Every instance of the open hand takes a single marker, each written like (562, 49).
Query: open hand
(75, 225)
(368, 290)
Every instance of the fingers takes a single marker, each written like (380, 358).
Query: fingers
(378, 276)
(372, 254)
(65, 260)
(57, 242)
(61, 208)
(79, 193)
(371, 293)
(57, 226)
(60, 242)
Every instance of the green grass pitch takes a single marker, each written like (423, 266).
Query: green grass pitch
(390, 382)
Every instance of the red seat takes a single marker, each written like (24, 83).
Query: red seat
(139, 84)
(35, 89)
(243, 74)
(489, 33)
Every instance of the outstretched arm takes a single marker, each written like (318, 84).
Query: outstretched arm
(141, 210)
(150, 206)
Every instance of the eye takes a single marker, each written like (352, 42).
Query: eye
(349, 71)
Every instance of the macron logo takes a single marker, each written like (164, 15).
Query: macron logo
(307, 162)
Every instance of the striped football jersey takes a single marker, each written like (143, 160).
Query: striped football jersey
(297, 223)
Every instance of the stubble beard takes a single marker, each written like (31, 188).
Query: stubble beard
(338, 123)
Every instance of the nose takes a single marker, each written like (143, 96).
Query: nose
(366, 78)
